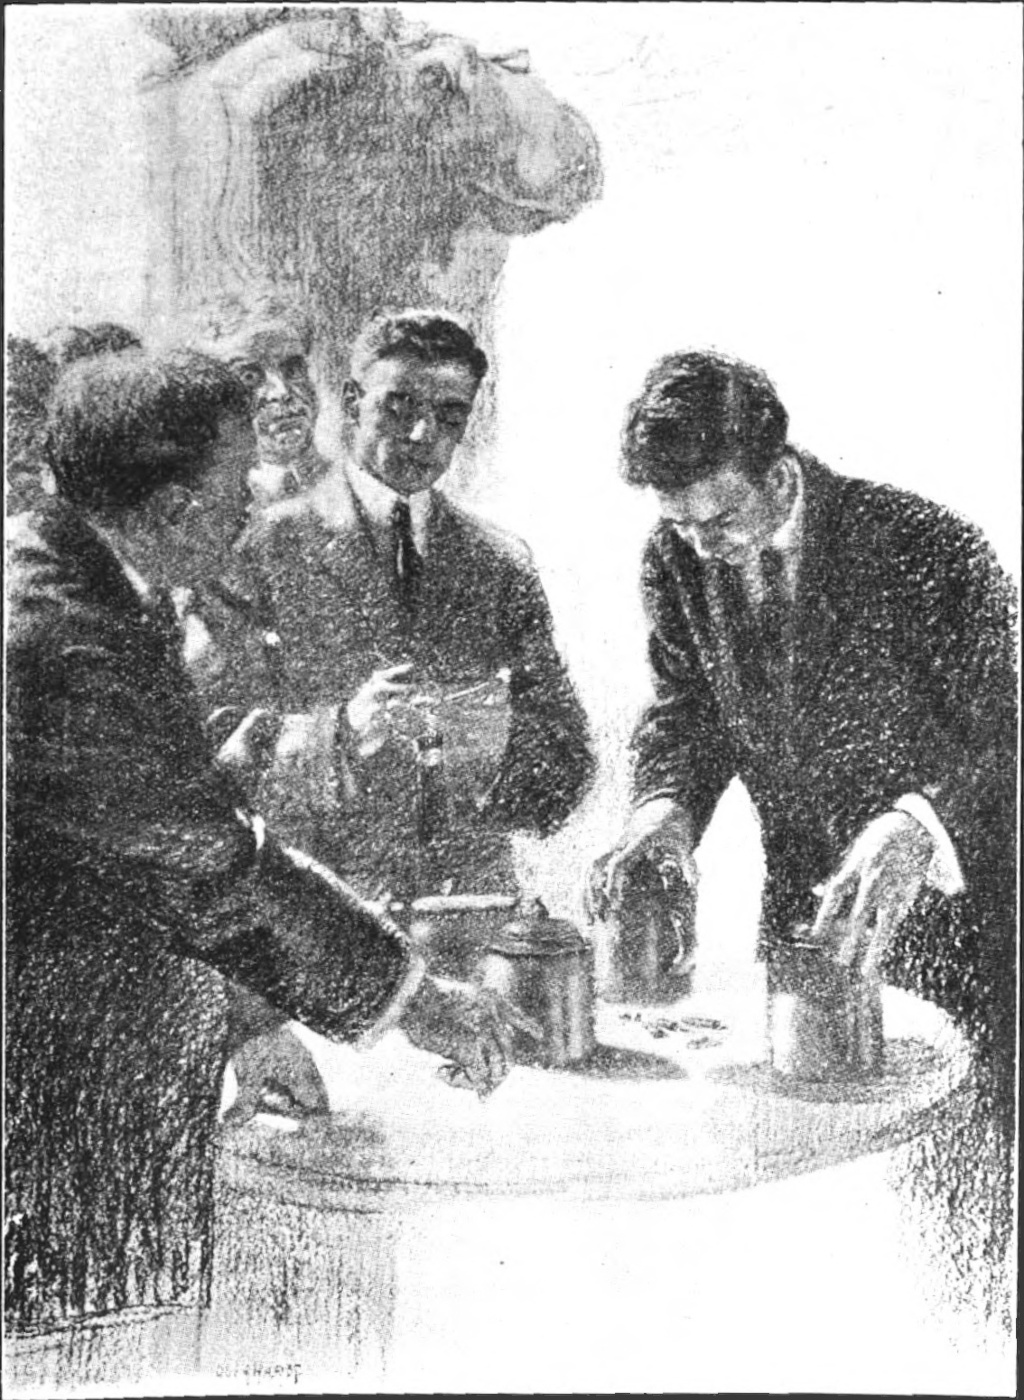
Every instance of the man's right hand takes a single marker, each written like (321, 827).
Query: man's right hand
(659, 830)
(473, 1027)
(369, 710)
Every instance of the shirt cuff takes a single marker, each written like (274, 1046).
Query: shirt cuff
(944, 873)
(395, 1009)
(255, 824)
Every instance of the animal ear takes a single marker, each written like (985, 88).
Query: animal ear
(351, 393)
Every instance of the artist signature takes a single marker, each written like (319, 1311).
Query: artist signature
(291, 1369)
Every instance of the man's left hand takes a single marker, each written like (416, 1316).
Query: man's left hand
(872, 892)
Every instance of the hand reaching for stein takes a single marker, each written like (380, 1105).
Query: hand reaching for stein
(472, 1027)
(871, 893)
(660, 831)
(369, 710)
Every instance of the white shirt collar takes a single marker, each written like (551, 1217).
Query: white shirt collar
(269, 481)
(379, 500)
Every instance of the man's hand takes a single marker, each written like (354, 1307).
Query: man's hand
(872, 892)
(657, 831)
(369, 710)
(275, 1073)
(472, 1027)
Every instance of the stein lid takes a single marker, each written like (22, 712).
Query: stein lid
(534, 933)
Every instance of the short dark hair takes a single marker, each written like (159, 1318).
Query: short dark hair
(123, 425)
(697, 412)
(435, 337)
(243, 315)
(33, 369)
(66, 344)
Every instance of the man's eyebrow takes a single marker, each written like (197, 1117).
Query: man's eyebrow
(715, 519)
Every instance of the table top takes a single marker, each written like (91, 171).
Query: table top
(677, 1101)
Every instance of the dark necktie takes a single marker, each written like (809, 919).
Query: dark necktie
(408, 563)
(774, 616)
(775, 642)
(761, 636)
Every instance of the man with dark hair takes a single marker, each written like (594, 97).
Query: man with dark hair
(266, 338)
(67, 344)
(139, 879)
(847, 650)
(843, 647)
(32, 371)
(410, 630)
(427, 336)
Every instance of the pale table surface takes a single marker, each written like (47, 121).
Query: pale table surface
(579, 1231)
(694, 1110)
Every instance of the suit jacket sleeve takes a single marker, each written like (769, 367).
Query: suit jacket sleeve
(127, 786)
(548, 761)
(680, 747)
(307, 765)
(965, 665)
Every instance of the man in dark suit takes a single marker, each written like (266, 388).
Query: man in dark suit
(847, 650)
(409, 631)
(844, 648)
(139, 878)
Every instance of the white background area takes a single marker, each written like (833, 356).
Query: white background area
(829, 191)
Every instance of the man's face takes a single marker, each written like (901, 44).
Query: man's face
(408, 418)
(729, 517)
(196, 521)
(272, 365)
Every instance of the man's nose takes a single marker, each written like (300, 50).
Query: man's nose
(423, 429)
(274, 387)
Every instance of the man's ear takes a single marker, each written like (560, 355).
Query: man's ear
(782, 478)
(351, 393)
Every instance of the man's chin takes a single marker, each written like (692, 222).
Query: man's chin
(282, 448)
(407, 478)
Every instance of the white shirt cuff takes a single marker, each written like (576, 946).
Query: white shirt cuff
(395, 1008)
(258, 827)
(944, 873)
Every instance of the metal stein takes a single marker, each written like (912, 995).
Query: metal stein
(651, 940)
(545, 967)
(824, 1021)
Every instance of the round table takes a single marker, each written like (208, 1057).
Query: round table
(676, 1101)
(670, 1216)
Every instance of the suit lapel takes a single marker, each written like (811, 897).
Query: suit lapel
(448, 565)
(707, 595)
(753, 709)
(347, 549)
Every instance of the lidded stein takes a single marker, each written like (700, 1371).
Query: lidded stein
(546, 968)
